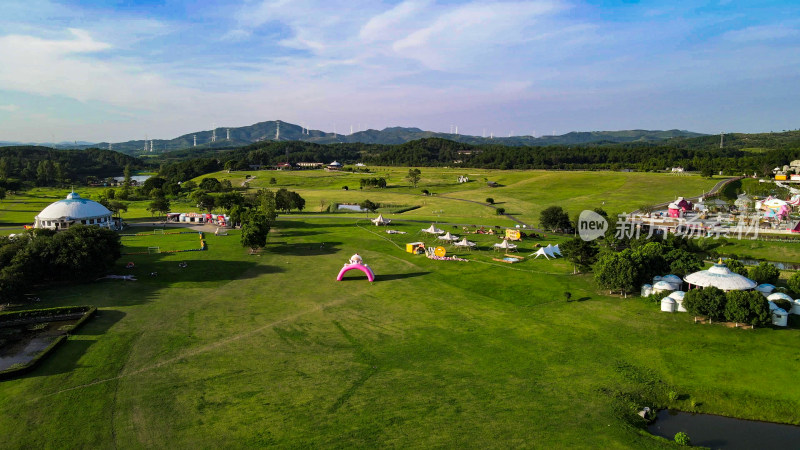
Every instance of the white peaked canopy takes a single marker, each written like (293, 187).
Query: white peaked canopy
(448, 237)
(541, 252)
(550, 250)
(556, 250)
(380, 220)
(720, 277)
(464, 243)
(432, 230)
(505, 245)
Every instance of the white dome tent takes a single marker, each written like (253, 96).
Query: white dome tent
(662, 286)
(647, 290)
(668, 304)
(720, 277)
(765, 289)
(780, 317)
(675, 281)
(678, 297)
(71, 211)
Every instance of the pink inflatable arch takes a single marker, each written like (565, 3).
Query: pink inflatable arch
(361, 267)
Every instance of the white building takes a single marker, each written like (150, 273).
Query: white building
(71, 211)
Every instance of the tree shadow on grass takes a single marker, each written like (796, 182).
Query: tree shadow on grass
(399, 276)
(305, 249)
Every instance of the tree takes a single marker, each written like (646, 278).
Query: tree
(206, 202)
(736, 266)
(210, 184)
(490, 200)
(500, 211)
(126, 173)
(297, 202)
(283, 200)
(369, 206)
(759, 310)
(189, 185)
(228, 199)
(764, 272)
(254, 231)
(2, 193)
(707, 171)
(794, 283)
(152, 183)
(617, 271)
(708, 301)
(414, 175)
(737, 308)
(554, 218)
(159, 205)
(582, 254)
(682, 262)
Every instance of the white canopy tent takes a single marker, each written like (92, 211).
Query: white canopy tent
(380, 220)
(432, 230)
(542, 252)
(505, 245)
(556, 250)
(465, 243)
(448, 237)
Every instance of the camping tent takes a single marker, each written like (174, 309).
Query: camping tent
(554, 249)
(541, 252)
(380, 220)
(448, 237)
(432, 230)
(662, 286)
(668, 304)
(505, 245)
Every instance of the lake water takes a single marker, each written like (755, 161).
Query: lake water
(711, 431)
(22, 343)
(136, 178)
(352, 208)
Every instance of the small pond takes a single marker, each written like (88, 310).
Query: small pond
(780, 265)
(21, 343)
(711, 431)
(352, 208)
(136, 178)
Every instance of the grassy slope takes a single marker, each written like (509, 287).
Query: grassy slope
(434, 353)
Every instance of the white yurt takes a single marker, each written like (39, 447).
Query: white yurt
(675, 281)
(780, 317)
(668, 304)
(765, 289)
(662, 286)
(71, 211)
(720, 277)
(779, 296)
(795, 307)
(657, 278)
(678, 297)
(647, 290)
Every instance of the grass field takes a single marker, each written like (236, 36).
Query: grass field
(237, 350)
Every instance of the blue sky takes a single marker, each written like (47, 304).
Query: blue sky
(122, 69)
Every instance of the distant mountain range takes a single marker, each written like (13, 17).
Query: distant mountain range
(268, 131)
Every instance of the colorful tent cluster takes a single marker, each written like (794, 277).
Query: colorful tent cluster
(679, 207)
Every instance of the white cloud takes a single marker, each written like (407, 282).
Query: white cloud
(387, 25)
(761, 33)
(9, 108)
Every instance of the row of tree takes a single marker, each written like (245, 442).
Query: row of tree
(43, 166)
(40, 257)
(734, 306)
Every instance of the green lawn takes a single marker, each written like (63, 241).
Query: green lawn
(238, 350)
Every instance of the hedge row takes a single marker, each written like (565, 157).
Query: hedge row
(13, 316)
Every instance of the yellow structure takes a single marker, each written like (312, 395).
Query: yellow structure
(414, 247)
(513, 235)
(440, 252)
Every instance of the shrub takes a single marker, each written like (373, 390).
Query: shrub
(500, 211)
(682, 438)
(764, 272)
(426, 192)
(672, 396)
(783, 304)
(736, 266)
(490, 200)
